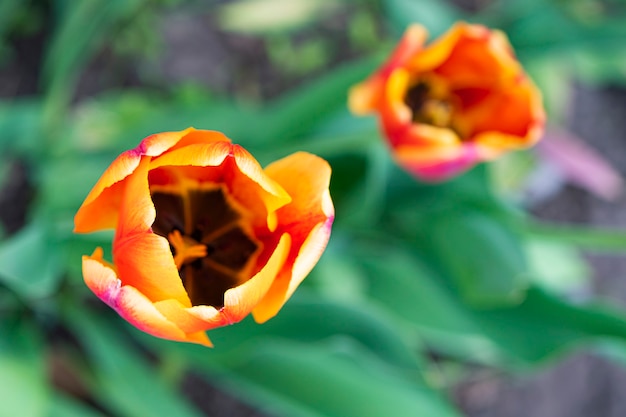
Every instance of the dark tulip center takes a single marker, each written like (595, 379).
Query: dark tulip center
(426, 107)
(212, 248)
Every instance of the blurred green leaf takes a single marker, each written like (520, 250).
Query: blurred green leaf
(542, 325)
(601, 67)
(308, 319)
(75, 246)
(300, 59)
(365, 205)
(437, 16)
(587, 238)
(398, 282)
(557, 267)
(124, 380)
(411, 205)
(8, 10)
(23, 377)
(64, 406)
(20, 126)
(30, 262)
(484, 258)
(338, 379)
(73, 44)
(279, 125)
(545, 27)
(539, 326)
(66, 181)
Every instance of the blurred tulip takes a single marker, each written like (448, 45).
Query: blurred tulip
(203, 235)
(449, 105)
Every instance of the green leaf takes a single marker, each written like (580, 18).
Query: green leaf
(73, 45)
(556, 267)
(23, 378)
(399, 283)
(337, 379)
(30, 262)
(66, 181)
(8, 10)
(75, 246)
(309, 318)
(543, 325)
(280, 125)
(583, 237)
(64, 406)
(437, 16)
(306, 320)
(484, 258)
(20, 126)
(124, 380)
(539, 326)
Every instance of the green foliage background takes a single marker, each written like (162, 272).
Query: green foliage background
(418, 281)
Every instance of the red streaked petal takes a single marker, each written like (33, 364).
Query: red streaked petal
(131, 304)
(186, 318)
(196, 137)
(241, 300)
(306, 178)
(439, 51)
(144, 260)
(438, 163)
(294, 273)
(194, 319)
(100, 208)
(136, 211)
(271, 193)
(307, 219)
(210, 154)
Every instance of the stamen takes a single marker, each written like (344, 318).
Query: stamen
(435, 112)
(210, 237)
(430, 104)
(187, 249)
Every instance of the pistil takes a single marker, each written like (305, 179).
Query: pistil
(186, 249)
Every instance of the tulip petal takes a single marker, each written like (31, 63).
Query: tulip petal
(100, 208)
(274, 197)
(143, 259)
(188, 318)
(437, 163)
(307, 219)
(131, 304)
(245, 179)
(211, 154)
(241, 300)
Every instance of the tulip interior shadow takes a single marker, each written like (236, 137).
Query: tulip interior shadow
(208, 237)
(427, 108)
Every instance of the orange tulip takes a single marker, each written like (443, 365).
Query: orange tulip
(203, 235)
(449, 105)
